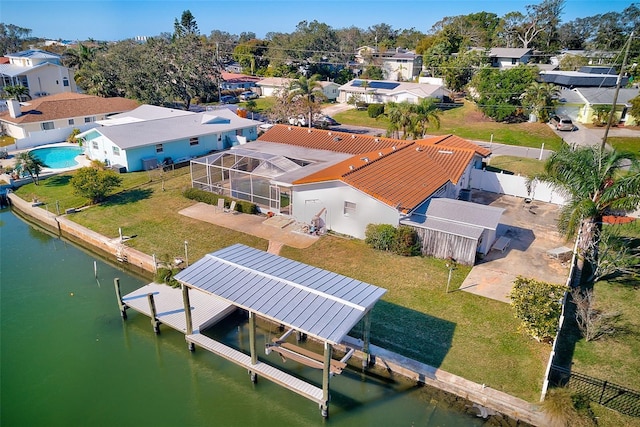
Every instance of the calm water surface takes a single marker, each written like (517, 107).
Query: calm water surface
(68, 359)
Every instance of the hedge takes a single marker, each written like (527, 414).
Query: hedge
(212, 199)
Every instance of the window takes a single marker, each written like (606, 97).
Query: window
(238, 132)
(159, 148)
(47, 126)
(513, 61)
(94, 145)
(65, 81)
(89, 119)
(71, 122)
(193, 141)
(349, 208)
(116, 151)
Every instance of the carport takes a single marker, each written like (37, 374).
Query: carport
(305, 299)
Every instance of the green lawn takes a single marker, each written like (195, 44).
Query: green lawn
(467, 122)
(516, 165)
(462, 333)
(625, 144)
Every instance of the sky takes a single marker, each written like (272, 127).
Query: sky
(112, 20)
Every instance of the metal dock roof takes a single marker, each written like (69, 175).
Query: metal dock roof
(314, 301)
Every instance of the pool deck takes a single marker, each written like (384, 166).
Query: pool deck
(10, 161)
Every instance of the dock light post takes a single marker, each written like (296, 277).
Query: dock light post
(186, 253)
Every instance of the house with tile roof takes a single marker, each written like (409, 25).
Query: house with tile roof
(39, 71)
(342, 181)
(270, 86)
(234, 81)
(52, 118)
(148, 137)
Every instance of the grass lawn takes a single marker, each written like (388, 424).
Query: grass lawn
(468, 122)
(464, 334)
(625, 144)
(516, 165)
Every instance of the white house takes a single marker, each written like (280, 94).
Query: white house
(340, 181)
(271, 85)
(148, 137)
(39, 71)
(383, 91)
(396, 64)
(52, 118)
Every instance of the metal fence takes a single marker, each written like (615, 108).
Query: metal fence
(612, 396)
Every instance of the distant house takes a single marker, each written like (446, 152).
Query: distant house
(52, 118)
(150, 136)
(234, 81)
(396, 64)
(586, 77)
(340, 181)
(503, 58)
(39, 71)
(271, 85)
(383, 91)
(594, 97)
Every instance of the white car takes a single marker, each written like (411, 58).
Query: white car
(298, 121)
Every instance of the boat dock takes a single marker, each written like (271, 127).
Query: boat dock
(169, 307)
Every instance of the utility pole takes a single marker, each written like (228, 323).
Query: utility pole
(615, 95)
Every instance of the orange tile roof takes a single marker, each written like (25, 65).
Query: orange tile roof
(397, 172)
(404, 178)
(454, 141)
(319, 139)
(67, 105)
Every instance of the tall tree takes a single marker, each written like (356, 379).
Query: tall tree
(308, 93)
(12, 37)
(539, 98)
(186, 26)
(595, 182)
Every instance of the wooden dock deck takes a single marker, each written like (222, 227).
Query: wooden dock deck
(206, 309)
(267, 371)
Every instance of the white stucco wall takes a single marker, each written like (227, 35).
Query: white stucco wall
(49, 79)
(309, 199)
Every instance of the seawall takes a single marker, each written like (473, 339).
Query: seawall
(491, 400)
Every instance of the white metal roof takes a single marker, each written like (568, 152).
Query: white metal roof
(320, 303)
(462, 212)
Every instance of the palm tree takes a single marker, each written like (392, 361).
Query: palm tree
(595, 181)
(17, 92)
(424, 115)
(33, 165)
(309, 93)
(539, 97)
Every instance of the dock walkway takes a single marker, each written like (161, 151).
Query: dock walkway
(206, 310)
(267, 371)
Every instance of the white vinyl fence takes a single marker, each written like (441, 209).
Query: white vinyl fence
(515, 185)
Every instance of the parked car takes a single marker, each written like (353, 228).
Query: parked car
(265, 127)
(245, 96)
(562, 123)
(228, 99)
(324, 122)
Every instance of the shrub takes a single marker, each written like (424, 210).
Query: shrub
(374, 110)
(95, 184)
(406, 242)
(538, 306)
(212, 199)
(380, 236)
(165, 275)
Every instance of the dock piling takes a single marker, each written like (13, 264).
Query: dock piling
(187, 315)
(154, 314)
(122, 306)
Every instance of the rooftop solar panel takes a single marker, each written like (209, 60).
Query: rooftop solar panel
(376, 84)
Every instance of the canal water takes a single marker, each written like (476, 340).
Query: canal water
(68, 359)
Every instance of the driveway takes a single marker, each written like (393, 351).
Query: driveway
(531, 228)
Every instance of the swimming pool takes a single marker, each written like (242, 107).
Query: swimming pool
(58, 157)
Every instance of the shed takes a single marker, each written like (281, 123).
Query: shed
(456, 229)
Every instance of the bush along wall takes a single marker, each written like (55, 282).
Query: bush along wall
(212, 199)
(385, 237)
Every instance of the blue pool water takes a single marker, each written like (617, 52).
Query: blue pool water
(58, 157)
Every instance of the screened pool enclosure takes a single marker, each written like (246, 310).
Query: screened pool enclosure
(245, 175)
